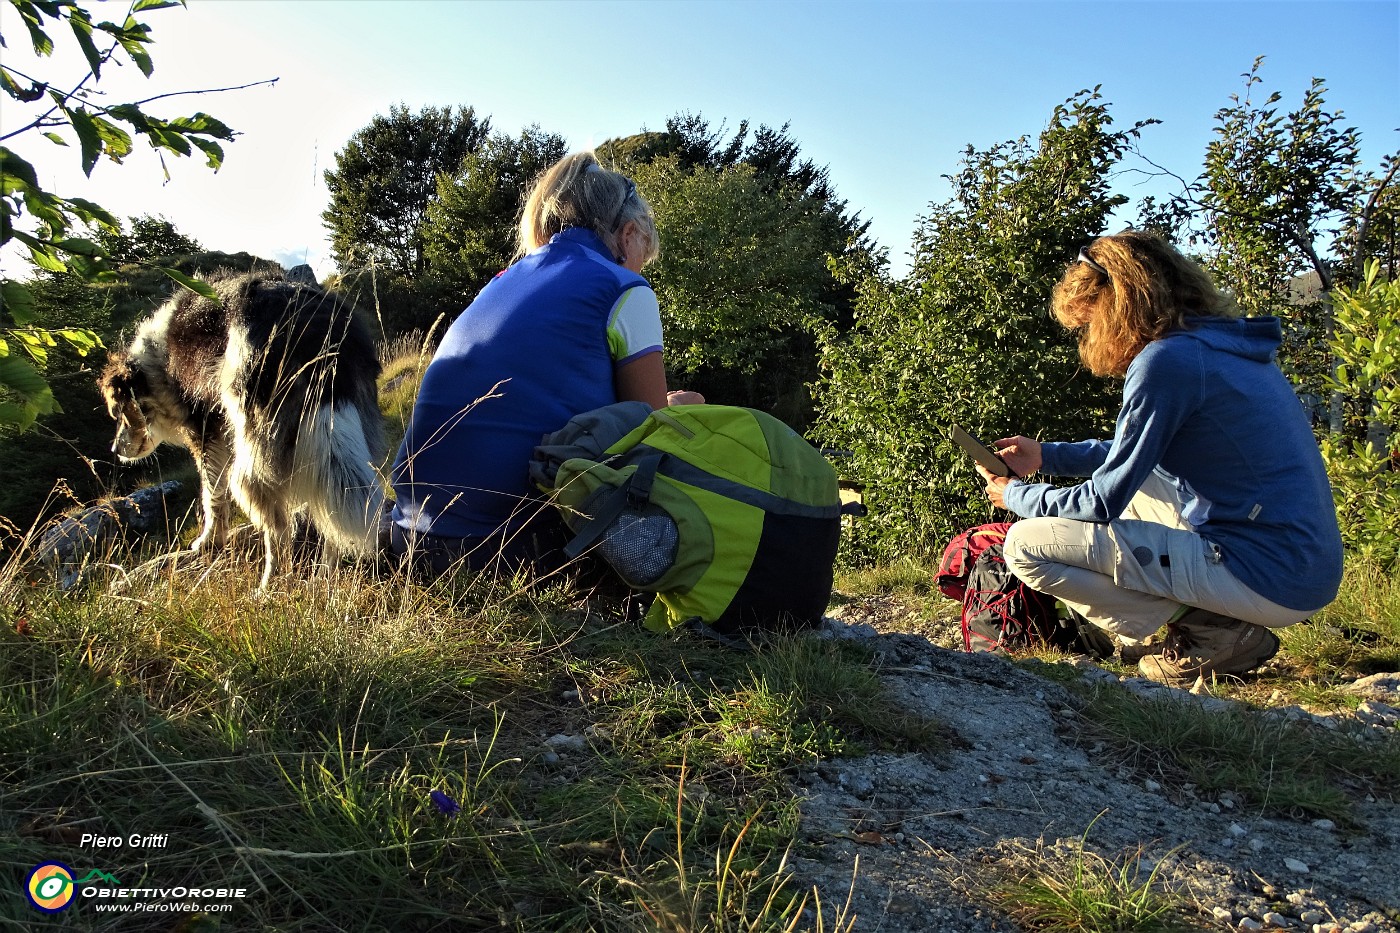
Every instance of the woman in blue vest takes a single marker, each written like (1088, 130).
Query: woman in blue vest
(569, 327)
(1209, 510)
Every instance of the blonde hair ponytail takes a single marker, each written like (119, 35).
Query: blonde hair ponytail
(577, 191)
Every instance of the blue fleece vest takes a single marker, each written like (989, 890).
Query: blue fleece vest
(526, 356)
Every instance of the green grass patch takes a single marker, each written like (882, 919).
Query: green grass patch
(908, 576)
(734, 892)
(1081, 891)
(399, 380)
(366, 753)
(1357, 635)
(362, 753)
(1279, 766)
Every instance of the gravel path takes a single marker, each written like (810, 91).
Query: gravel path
(922, 827)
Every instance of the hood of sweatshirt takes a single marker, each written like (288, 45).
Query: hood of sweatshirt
(1254, 338)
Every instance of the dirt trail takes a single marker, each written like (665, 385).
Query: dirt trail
(922, 825)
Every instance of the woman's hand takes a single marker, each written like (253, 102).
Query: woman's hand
(996, 485)
(644, 380)
(1022, 454)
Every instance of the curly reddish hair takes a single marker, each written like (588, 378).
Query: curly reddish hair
(1143, 289)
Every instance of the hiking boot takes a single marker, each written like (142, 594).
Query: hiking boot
(1135, 651)
(1202, 643)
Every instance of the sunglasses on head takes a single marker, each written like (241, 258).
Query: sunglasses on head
(630, 193)
(1084, 258)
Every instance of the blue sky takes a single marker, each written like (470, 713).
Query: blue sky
(886, 94)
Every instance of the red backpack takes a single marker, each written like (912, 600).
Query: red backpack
(1000, 613)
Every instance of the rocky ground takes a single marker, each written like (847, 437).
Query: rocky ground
(919, 831)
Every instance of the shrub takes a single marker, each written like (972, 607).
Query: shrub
(967, 338)
(1365, 473)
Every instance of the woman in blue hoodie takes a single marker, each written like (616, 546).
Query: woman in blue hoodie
(1209, 511)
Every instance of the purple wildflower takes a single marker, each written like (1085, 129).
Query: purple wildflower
(445, 804)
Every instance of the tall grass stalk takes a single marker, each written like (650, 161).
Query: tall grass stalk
(738, 894)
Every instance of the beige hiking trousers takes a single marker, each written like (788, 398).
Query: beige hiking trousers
(1130, 576)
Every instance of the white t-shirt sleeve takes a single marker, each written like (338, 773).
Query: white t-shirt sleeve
(634, 325)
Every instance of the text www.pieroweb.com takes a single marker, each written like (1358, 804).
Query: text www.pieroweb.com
(163, 907)
(166, 900)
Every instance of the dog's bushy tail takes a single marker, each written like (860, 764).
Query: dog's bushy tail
(336, 450)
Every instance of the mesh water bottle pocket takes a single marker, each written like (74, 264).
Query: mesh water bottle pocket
(641, 546)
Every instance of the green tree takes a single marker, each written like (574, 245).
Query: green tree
(43, 221)
(1274, 186)
(967, 337)
(741, 281)
(470, 233)
(1273, 189)
(751, 231)
(772, 153)
(1372, 233)
(1285, 213)
(385, 179)
(150, 239)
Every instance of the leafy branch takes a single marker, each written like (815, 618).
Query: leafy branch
(1296, 176)
(42, 221)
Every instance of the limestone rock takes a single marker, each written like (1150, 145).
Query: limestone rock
(302, 275)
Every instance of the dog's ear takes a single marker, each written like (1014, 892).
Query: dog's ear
(122, 384)
(122, 377)
(110, 380)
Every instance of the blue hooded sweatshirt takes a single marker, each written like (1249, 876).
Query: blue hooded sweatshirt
(1208, 408)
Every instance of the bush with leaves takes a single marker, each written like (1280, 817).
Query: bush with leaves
(470, 234)
(1365, 474)
(400, 304)
(150, 239)
(42, 221)
(967, 337)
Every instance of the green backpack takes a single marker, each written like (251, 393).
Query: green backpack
(726, 513)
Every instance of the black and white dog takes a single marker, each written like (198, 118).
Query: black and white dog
(273, 389)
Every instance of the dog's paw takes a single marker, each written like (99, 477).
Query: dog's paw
(207, 543)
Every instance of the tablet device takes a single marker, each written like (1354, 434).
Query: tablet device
(981, 453)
